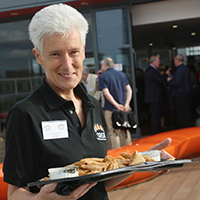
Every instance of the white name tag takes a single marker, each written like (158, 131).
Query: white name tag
(54, 129)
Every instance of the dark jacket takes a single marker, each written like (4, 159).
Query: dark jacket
(154, 83)
(180, 83)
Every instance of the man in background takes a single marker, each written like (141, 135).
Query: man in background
(154, 83)
(181, 90)
(90, 83)
(118, 94)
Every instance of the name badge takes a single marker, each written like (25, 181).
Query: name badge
(54, 129)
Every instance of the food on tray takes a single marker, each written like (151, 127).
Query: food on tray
(95, 165)
(136, 159)
(171, 159)
(63, 172)
(154, 154)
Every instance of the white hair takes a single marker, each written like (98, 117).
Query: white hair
(56, 19)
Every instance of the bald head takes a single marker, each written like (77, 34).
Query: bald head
(107, 63)
(178, 60)
(155, 61)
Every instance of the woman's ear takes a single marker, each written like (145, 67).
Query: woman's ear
(37, 56)
(84, 52)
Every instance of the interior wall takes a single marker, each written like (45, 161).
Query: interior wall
(164, 11)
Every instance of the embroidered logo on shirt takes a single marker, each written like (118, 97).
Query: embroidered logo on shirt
(100, 133)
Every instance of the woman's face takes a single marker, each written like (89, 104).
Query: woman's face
(62, 61)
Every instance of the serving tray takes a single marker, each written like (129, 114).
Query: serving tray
(102, 176)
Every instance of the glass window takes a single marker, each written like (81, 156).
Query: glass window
(113, 37)
(191, 51)
(89, 53)
(20, 74)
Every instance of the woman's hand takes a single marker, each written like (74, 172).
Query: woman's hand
(160, 146)
(48, 192)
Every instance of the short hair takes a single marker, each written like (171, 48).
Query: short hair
(108, 61)
(153, 58)
(85, 70)
(56, 19)
(180, 57)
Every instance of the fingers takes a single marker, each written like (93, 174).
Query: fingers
(48, 192)
(121, 107)
(81, 190)
(165, 155)
(48, 188)
(165, 143)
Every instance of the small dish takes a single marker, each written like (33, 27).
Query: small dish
(154, 154)
(63, 172)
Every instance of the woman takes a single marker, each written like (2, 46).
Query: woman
(34, 140)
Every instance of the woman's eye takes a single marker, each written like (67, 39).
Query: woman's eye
(55, 54)
(74, 53)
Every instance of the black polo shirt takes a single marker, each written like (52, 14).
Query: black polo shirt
(29, 155)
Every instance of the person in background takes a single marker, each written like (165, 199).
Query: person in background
(90, 82)
(194, 83)
(191, 63)
(154, 84)
(118, 94)
(61, 106)
(181, 90)
(0, 125)
(165, 100)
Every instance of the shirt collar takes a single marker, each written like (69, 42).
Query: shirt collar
(87, 79)
(54, 101)
(153, 66)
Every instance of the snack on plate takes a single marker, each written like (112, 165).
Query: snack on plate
(152, 154)
(136, 159)
(95, 165)
(63, 172)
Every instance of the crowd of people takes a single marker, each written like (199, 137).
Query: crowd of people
(171, 92)
(117, 94)
(167, 94)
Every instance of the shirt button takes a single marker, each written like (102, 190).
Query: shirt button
(71, 112)
(77, 125)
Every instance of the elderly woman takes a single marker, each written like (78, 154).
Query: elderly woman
(34, 142)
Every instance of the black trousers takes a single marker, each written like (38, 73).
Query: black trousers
(183, 106)
(155, 117)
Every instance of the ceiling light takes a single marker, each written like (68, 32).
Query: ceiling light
(150, 44)
(174, 48)
(14, 14)
(193, 34)
(175, 26)
(84, 3)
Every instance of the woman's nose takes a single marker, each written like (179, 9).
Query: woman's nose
(67, 61)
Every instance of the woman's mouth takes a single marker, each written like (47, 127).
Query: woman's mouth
(67, 75)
